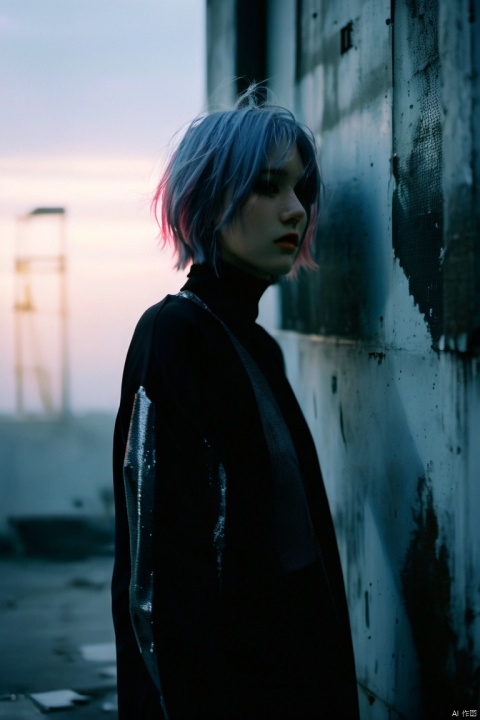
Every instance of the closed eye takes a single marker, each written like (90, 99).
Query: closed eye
(304, 190)
(266, 186)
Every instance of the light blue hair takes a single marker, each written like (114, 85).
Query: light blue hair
(222, 155)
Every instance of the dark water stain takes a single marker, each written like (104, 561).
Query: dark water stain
(448, 679)
(378, 356)
(318, 46)
(345, 296)
(417, 209)
(461, 272)
(342, 428)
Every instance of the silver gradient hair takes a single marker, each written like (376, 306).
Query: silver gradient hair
(221, 155)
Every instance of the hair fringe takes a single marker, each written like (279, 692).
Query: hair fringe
(224, 151)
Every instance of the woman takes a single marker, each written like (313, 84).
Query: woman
(228, 596)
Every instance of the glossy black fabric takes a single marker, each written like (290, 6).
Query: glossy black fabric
(260, 643)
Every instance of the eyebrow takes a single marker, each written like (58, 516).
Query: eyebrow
(279, 171)
(273, 170)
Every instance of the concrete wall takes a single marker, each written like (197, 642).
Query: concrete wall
(221, 53)
(55, 468)
(382, 342)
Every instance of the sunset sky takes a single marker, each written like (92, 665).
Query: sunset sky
(92, 93)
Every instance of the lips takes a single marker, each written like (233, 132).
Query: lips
(288, 242)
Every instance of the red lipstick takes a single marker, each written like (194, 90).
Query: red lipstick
(288, 242)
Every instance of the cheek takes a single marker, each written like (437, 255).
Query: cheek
(256, 207)
(251, 224)
(234, 237)
(303, 225)
(245, 226)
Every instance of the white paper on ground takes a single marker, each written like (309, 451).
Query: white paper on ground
(101, 652)
(58, 699)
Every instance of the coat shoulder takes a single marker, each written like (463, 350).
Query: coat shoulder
(271, 347)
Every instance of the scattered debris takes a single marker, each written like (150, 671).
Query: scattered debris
(110, 705)
(100, 652)
(92, 581)
(57, 699)
(8, 696)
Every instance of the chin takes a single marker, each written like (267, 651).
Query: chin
(282, 268)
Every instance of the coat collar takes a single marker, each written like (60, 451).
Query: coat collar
(233, 295)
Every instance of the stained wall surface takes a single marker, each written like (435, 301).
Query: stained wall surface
(382, 342)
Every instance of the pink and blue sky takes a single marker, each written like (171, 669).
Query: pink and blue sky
(92, 93)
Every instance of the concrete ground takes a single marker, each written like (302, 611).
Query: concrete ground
(56, 634)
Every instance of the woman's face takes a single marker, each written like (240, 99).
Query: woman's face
(264, 236)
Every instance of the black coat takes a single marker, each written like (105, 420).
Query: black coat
(235, 637)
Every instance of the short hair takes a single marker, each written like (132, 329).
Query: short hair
(225, 152)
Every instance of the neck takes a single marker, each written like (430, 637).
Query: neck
(233, 294)
(233, 260)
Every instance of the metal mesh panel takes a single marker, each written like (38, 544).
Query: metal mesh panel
(417, 216)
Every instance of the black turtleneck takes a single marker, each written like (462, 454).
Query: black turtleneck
(259, 643)
(233, 294)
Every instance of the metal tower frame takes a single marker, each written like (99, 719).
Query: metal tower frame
(26, 267)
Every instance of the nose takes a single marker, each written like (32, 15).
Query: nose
(293, 213)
